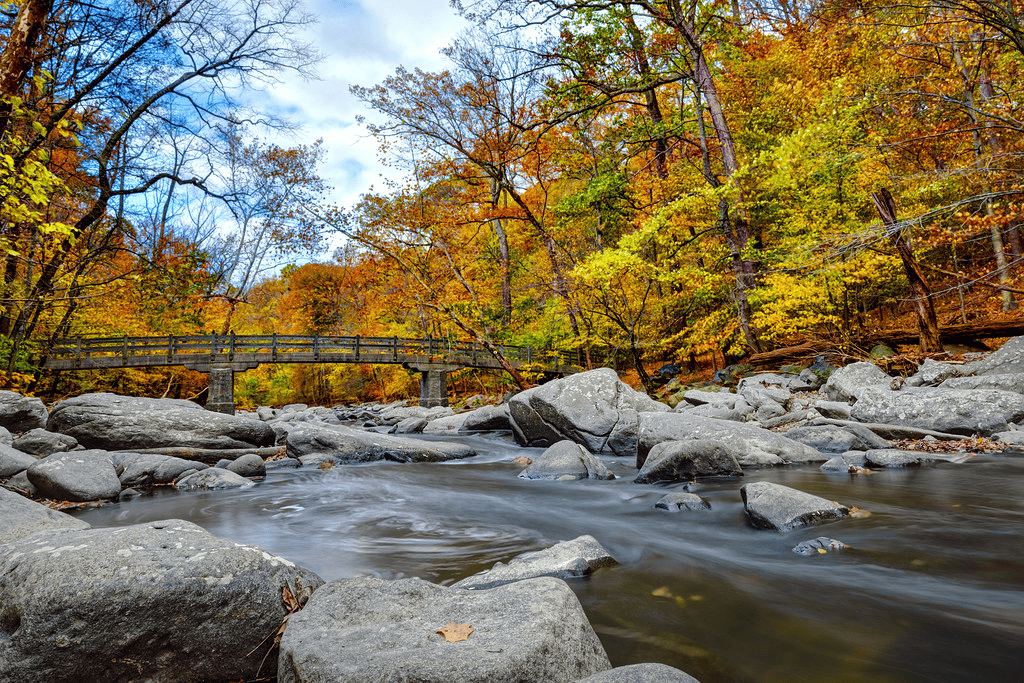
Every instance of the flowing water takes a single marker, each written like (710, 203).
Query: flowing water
(932, 589)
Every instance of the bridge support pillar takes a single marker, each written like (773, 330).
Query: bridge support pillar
(221, 398)
(433, 388)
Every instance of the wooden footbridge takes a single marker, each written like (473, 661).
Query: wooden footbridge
(223, 355)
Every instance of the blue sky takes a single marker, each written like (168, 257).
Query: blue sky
(362, 42)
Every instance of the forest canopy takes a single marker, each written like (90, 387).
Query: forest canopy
(632, 182)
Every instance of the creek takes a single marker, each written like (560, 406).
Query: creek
(931, 590)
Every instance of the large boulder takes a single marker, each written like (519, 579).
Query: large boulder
(368, 630)
(687, 460)
(1008, 382)
(41, 443)
(594, 409)
(1009, 359)
(23, 517)
(76, 476)
(781, 508)
(149, 469)
(753, 445)
(448, 424)
(566, 560)
(566, 460)
(837, 439)
(21, 413)
(163, 601)
(983, 411)
(342, 444)
(13, 461)
(847, 383)
(128, 423)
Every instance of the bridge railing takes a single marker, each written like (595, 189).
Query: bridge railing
(227, 346)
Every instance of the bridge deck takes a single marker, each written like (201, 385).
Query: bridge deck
(203, 352)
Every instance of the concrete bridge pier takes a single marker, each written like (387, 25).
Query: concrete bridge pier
(433, 382)
(221, 397)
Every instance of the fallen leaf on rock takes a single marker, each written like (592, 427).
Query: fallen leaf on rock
(522, 460)
(326, 465)
(454, 633)
(858, 513)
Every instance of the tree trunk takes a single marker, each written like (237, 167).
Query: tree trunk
(18, 55)
(504, 261)
(927, 323)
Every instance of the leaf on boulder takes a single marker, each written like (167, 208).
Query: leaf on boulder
(453, 633)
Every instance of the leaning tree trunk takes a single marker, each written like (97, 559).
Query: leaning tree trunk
(927, 323)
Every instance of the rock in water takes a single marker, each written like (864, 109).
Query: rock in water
(594, 409)
(368, 630)
(21, 413)
(819, 546)
(640, 673)
(212, 478)
(147, 469)
(317, 443)
(687, 460)
(566, 460)
(128, 423)
(781, 508)
(566, 560)
(76, 476)
(676, 502)
(23, 517)
(250, 465)
(163, 601)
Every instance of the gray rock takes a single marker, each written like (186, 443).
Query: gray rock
(266, 413)
(450, 424)
(819, 546)
(314, 414)
(128, 494)
(675, 502)
(250, 465)
(807, 380)
(754, 446)
(163, 601)
(76, 476)
(699, 397)
(933, 372)
(781, 508)
(368, 630)
(739, 413)
(126, 423)
(640, 673)
(6, 437)
(13, 461)
(487, 419)
(790, 418)
(1008, 359)
(839, 410)
(845, 384)
(211, 478)
(1015, 437)
(769, 411)
(21, 413)
(282, 464)
(410, 425)
(594, 409)
(342, 444)
(1011, 382)
(294, 408)
(564, 460)
(223, 463)
(984, 412)
(758, 395)
(835, 439)
(22, 518)
(888, 431)
(891, 458)
(395, 414)
(850, 461)
(20, 482)
(687, 460)
(150, 469)
(565, 560)
(41, 443)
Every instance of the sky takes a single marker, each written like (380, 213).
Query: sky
(363, 42)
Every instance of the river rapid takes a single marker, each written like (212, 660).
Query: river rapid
(932, 589)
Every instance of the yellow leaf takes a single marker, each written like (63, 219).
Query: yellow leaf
(822, 551)
(662, 592)
(453, 633)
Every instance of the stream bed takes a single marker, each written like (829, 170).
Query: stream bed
(932, 588)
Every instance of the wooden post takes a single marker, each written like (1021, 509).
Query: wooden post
(316, 349)
(357, 347)
(231, 347)
(394, 348)
(273, 347)
(124, 350)
(170, 348)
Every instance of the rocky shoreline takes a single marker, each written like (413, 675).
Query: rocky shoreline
(168, 601)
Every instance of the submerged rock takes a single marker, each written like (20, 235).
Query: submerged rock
(687, 460)
(566, 560)
(640, 673)
(368, 630)
(819, 546)
(340, 444)
(162, 601)
(566, 460)
(781, 508)
(676, 502)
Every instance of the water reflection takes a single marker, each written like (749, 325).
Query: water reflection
(933, 589)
